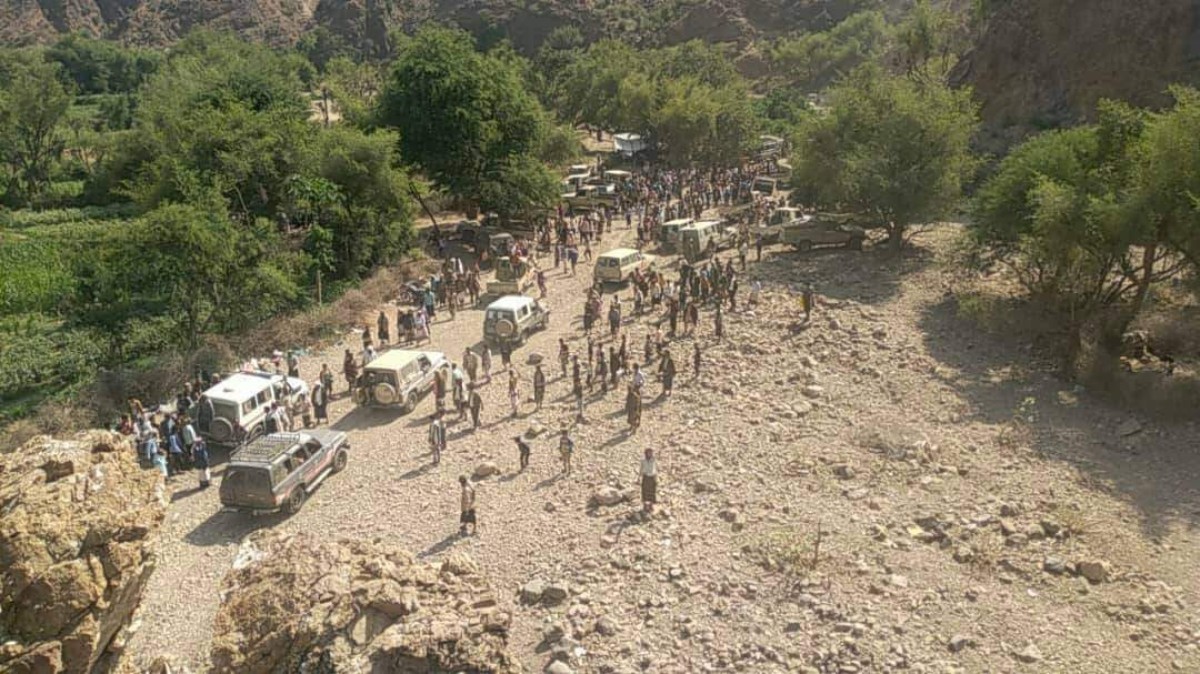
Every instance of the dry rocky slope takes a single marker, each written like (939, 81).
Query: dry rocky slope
(1049, 63)
(974, 512)
(298, 603)
(78, 523)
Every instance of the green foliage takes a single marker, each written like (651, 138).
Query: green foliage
(813, 60)
(782, 109)
(687, 100)
(33, 106)
(892, 148)
(354, 87)
(466, 117)
(101, 66)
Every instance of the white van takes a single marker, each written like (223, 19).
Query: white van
(704, 238)
(668, 233)
(617, 265)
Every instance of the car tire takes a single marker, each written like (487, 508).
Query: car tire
(410, 402)
(339, 460)
(221, 429)
(295, 501)
(855, 243)
(804, 246)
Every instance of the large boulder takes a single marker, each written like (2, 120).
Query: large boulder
(78, 521)
(298, 603)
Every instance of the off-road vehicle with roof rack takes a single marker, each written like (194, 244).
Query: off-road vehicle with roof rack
(277, 472)
(234, 411)
(399, 378)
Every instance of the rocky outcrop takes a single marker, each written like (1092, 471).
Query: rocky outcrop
(1045, 64)
(78, 522)
(295, 603)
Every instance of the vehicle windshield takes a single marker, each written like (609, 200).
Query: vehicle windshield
(246, 480)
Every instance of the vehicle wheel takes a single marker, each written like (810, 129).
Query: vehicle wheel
(221, 429)
(410, 403)
(339, 461)
(294, 501)
(855, 244)
(804, 246)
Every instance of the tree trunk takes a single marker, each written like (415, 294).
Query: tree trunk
(425, 207)
(895, 237)
(1143, 291)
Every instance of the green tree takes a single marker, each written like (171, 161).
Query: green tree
(33, 107)
(199, 269)
(813, 60)
(890, 148)
(1166, 190)
(464, 115)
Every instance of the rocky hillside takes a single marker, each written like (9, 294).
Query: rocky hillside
(78, 524)
(1048, 63)
(158, 22)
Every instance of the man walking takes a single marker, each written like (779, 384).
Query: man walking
(437, 437)
(522, 452)
(667, 370)
(649, 480)
(320, 403)
(564, 356)
(467, 507)
(696, 360)
(807, 300)
(718, 323)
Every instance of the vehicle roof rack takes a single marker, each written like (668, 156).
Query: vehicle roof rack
(267, 448)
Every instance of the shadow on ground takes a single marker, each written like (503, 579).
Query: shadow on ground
(1153, 467)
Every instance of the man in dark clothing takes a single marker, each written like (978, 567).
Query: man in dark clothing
(476, 405)
(718, 323)
(522, 452)
(667, 370)
(539, 386)
(696, 359)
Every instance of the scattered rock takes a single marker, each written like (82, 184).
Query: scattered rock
(960, 642)
(554, 593)
(531, 592)
(1096, 571)
(1054, 565)
(1129, 427)
(559, 667)
(897, 580)
(844, 471)
(485, 470)
(606, 496)
(813, 391)
(1030, 654)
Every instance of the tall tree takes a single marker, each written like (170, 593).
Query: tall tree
(33, 107)
(463, 115)
(891, 148)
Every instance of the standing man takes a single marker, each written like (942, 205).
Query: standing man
(649, 481)
(522, 452)
(539, 386)
(718, 323)
(758, 246)
(470, 362)
(696, 360)
(202, 462)
(514, 393)
(437, 437)
(476, 404)
(320, 402)
(667, 370)
(440, 384)
(467, 507)
(566, 447)
(807, 300)
(564, 356)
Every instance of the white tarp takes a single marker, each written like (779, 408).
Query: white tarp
(628, 143)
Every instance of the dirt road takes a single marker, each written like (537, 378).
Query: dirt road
(953, 512)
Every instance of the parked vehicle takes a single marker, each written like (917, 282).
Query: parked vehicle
(277, 472)
(512, 318)
(702, 239)
(234, 411)
(512, 279)
(767, 186)
(398, 379)
(618, 264)
(824, 230)
(668, 233)
(617, 177)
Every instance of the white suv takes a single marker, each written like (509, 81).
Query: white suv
(399, 378)
(235, 410)
(512, 317)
